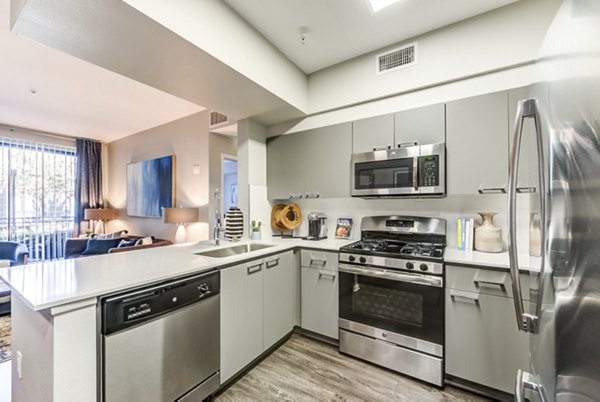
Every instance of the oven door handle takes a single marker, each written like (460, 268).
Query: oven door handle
(382, 273)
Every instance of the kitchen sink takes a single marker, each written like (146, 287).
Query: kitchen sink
(234, 250)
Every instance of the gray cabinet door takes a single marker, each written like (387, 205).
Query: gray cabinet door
(327, 153)
(476, 143)
(280, 299)
(483, 344)
(373, 133)
(241, 316)
(320, 295)
(285, 166)
(424, 125)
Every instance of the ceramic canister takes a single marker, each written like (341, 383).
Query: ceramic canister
(488, 238)
(234, 224)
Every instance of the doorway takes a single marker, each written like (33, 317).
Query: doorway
(229, 181)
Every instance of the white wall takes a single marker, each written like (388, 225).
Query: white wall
(505, 37)
(185, 138)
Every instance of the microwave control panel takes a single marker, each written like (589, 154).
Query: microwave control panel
(429, 171)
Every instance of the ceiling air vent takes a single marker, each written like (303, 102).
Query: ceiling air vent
(217, 120)
(397, 58)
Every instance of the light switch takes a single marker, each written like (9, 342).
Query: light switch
(196, 169)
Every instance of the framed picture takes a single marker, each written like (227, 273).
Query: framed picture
(150, 187)
(343, 229)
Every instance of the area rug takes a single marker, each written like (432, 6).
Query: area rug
(5, 353)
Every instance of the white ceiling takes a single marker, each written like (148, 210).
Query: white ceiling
(338, 30)
(75, 98)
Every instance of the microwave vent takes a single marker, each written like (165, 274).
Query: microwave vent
(397, 58)
(217, 120)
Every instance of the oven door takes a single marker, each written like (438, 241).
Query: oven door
(387, 172)
(406, 309)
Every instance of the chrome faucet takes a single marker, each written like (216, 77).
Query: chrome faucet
(218, 229)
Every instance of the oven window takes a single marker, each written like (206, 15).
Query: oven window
(389, 304)
(404, 308)
(395, 173)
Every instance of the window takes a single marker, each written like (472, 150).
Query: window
(37, 196)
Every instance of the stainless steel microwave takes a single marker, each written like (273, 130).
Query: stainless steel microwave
(414, 170)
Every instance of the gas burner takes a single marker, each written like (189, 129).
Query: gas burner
(370, 245)
(426, 250)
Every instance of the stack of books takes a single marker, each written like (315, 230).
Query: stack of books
(465, 231)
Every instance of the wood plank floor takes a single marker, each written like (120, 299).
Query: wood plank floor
(304, 369)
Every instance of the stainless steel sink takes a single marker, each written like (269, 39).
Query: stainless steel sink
(234, 250)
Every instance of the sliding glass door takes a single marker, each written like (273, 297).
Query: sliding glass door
(37, 183)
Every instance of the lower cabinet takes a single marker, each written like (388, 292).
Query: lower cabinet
(483, 344)
(259, 305)
(320, 292)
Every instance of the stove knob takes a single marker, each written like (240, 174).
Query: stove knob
(410, 265)
(351, 258)
(362, 260)
(423, 267)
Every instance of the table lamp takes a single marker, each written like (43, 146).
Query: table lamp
(180, 216)
(101, 215)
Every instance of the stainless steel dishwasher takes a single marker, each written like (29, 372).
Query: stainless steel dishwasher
(161, 343)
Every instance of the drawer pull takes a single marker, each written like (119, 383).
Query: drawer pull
(327, 274)
(495, 190)
(315, 262)
(382, 148)
(254, 269)
(465, 296)
(525, 190)
(479, 282)
(272, 263)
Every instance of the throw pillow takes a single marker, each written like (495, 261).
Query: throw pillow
(115, 235)
(100, 246)
(127, 243)
(144, 241)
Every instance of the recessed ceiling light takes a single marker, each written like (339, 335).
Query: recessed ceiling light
(377, 5)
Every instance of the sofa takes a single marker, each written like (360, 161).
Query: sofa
(77, 247)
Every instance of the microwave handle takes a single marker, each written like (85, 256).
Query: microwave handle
(415, 177)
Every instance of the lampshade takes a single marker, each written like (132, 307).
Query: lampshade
(180, 215)
(99, 214)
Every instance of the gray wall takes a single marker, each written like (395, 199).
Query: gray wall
(217, 145)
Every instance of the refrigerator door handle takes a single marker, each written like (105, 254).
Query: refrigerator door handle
(526, 381)
(525, 109)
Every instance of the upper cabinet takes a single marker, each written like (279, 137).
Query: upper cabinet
(373, 134)
(310, 164)
(477, 144)
(424, 125)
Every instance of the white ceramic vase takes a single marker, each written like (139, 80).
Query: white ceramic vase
(535, 236)
(255, 235)
(488, 238)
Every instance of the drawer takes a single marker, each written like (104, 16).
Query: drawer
(484, 281)
(322, 260)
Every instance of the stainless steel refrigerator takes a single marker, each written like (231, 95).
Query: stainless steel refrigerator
(557, 137)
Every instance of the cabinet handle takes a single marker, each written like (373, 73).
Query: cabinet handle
(492, 190)
(313, 195)
(272, 263)
(327, 274)
(407, 144)
(292, 196)
(526, 190)
(382, 148)
(254, 269)
(322, 262)
(466, 296)
(478, 283)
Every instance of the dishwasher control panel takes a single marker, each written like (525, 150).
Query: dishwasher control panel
(130, 308)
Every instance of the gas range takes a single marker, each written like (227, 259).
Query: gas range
(403, 243)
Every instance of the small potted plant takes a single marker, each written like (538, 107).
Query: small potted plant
(255, 234)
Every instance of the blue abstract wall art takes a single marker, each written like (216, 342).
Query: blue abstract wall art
(150, 187)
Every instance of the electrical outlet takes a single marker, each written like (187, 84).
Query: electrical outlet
(19, 364)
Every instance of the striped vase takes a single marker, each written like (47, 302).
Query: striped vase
(234, 224)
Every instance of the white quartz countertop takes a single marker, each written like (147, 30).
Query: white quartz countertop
(50, 284)
(490, 260)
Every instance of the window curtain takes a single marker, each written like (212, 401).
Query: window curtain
(88, 185)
